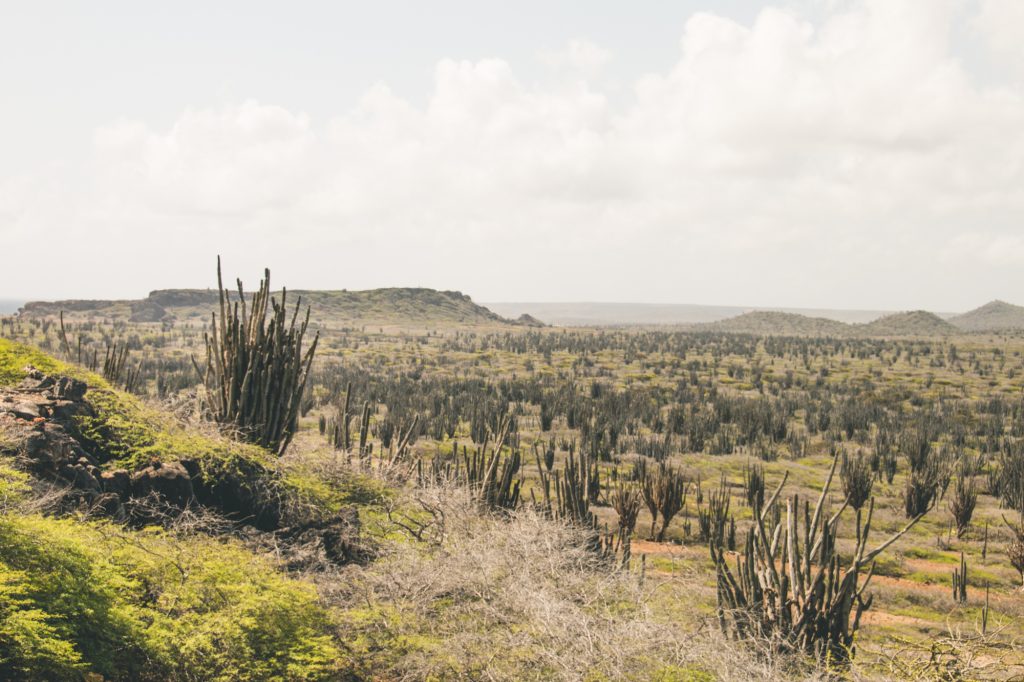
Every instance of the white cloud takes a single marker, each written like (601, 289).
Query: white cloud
(236, 160)
(1001, 23)
(580, 57)
(782, 162)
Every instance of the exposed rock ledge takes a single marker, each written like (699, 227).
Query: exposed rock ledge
(38, 426)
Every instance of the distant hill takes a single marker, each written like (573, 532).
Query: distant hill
(601, 314)
(526, 320)
(913, 323)
(372, 306)
(770, 323)
(767, 322)
(993, 316)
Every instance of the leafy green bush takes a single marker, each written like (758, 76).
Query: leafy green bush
(80, 597)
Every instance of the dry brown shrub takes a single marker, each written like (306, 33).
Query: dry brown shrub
(514, 597)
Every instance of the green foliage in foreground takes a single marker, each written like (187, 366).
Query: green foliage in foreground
(15, 356)
(78, 597)
(82, 597)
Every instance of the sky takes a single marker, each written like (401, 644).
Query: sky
(805, 153)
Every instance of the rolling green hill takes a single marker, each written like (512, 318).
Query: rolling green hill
(913, 323)
(993, 316)
(782, 324)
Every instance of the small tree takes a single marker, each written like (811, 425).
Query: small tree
(922, 487)
(1015, 550)
(857, 480)
(965, 497)
(673, 488)
(626, 500)
(664, 491)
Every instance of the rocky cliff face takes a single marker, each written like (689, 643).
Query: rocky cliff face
(171, 298)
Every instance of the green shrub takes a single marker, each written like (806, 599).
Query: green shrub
(80, 597)
(13, 484)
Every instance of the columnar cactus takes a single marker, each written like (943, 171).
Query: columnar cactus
(256, 369)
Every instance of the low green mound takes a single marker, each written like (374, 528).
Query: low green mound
(129, 434)
(913, 323)
(773, 323)
(124, 428)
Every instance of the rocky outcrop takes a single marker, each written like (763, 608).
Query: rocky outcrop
(37, 422)
(169, 481)
(38, 428)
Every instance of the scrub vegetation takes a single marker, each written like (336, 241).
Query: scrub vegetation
(461, 497)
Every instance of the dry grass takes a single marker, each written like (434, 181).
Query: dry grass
(516, 597)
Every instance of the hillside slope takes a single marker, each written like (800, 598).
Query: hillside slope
(120, 579)
(90, 590)
(993, 316)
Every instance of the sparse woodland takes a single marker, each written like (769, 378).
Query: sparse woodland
(448, 500)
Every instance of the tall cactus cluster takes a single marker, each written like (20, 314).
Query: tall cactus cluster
(960, 581)
(494, 478)
(568, 494)
(256, 370)
(790, 584)
(1015, 550)
(664, 492)
(626, 500)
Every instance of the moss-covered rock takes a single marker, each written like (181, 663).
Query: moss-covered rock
(86, 441)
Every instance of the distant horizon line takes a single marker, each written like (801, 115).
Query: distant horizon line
(21, 300)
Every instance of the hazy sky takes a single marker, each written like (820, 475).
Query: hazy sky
(818, 153)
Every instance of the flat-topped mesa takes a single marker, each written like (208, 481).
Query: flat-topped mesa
(43, 308)
(172, 298)
(396, 305)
